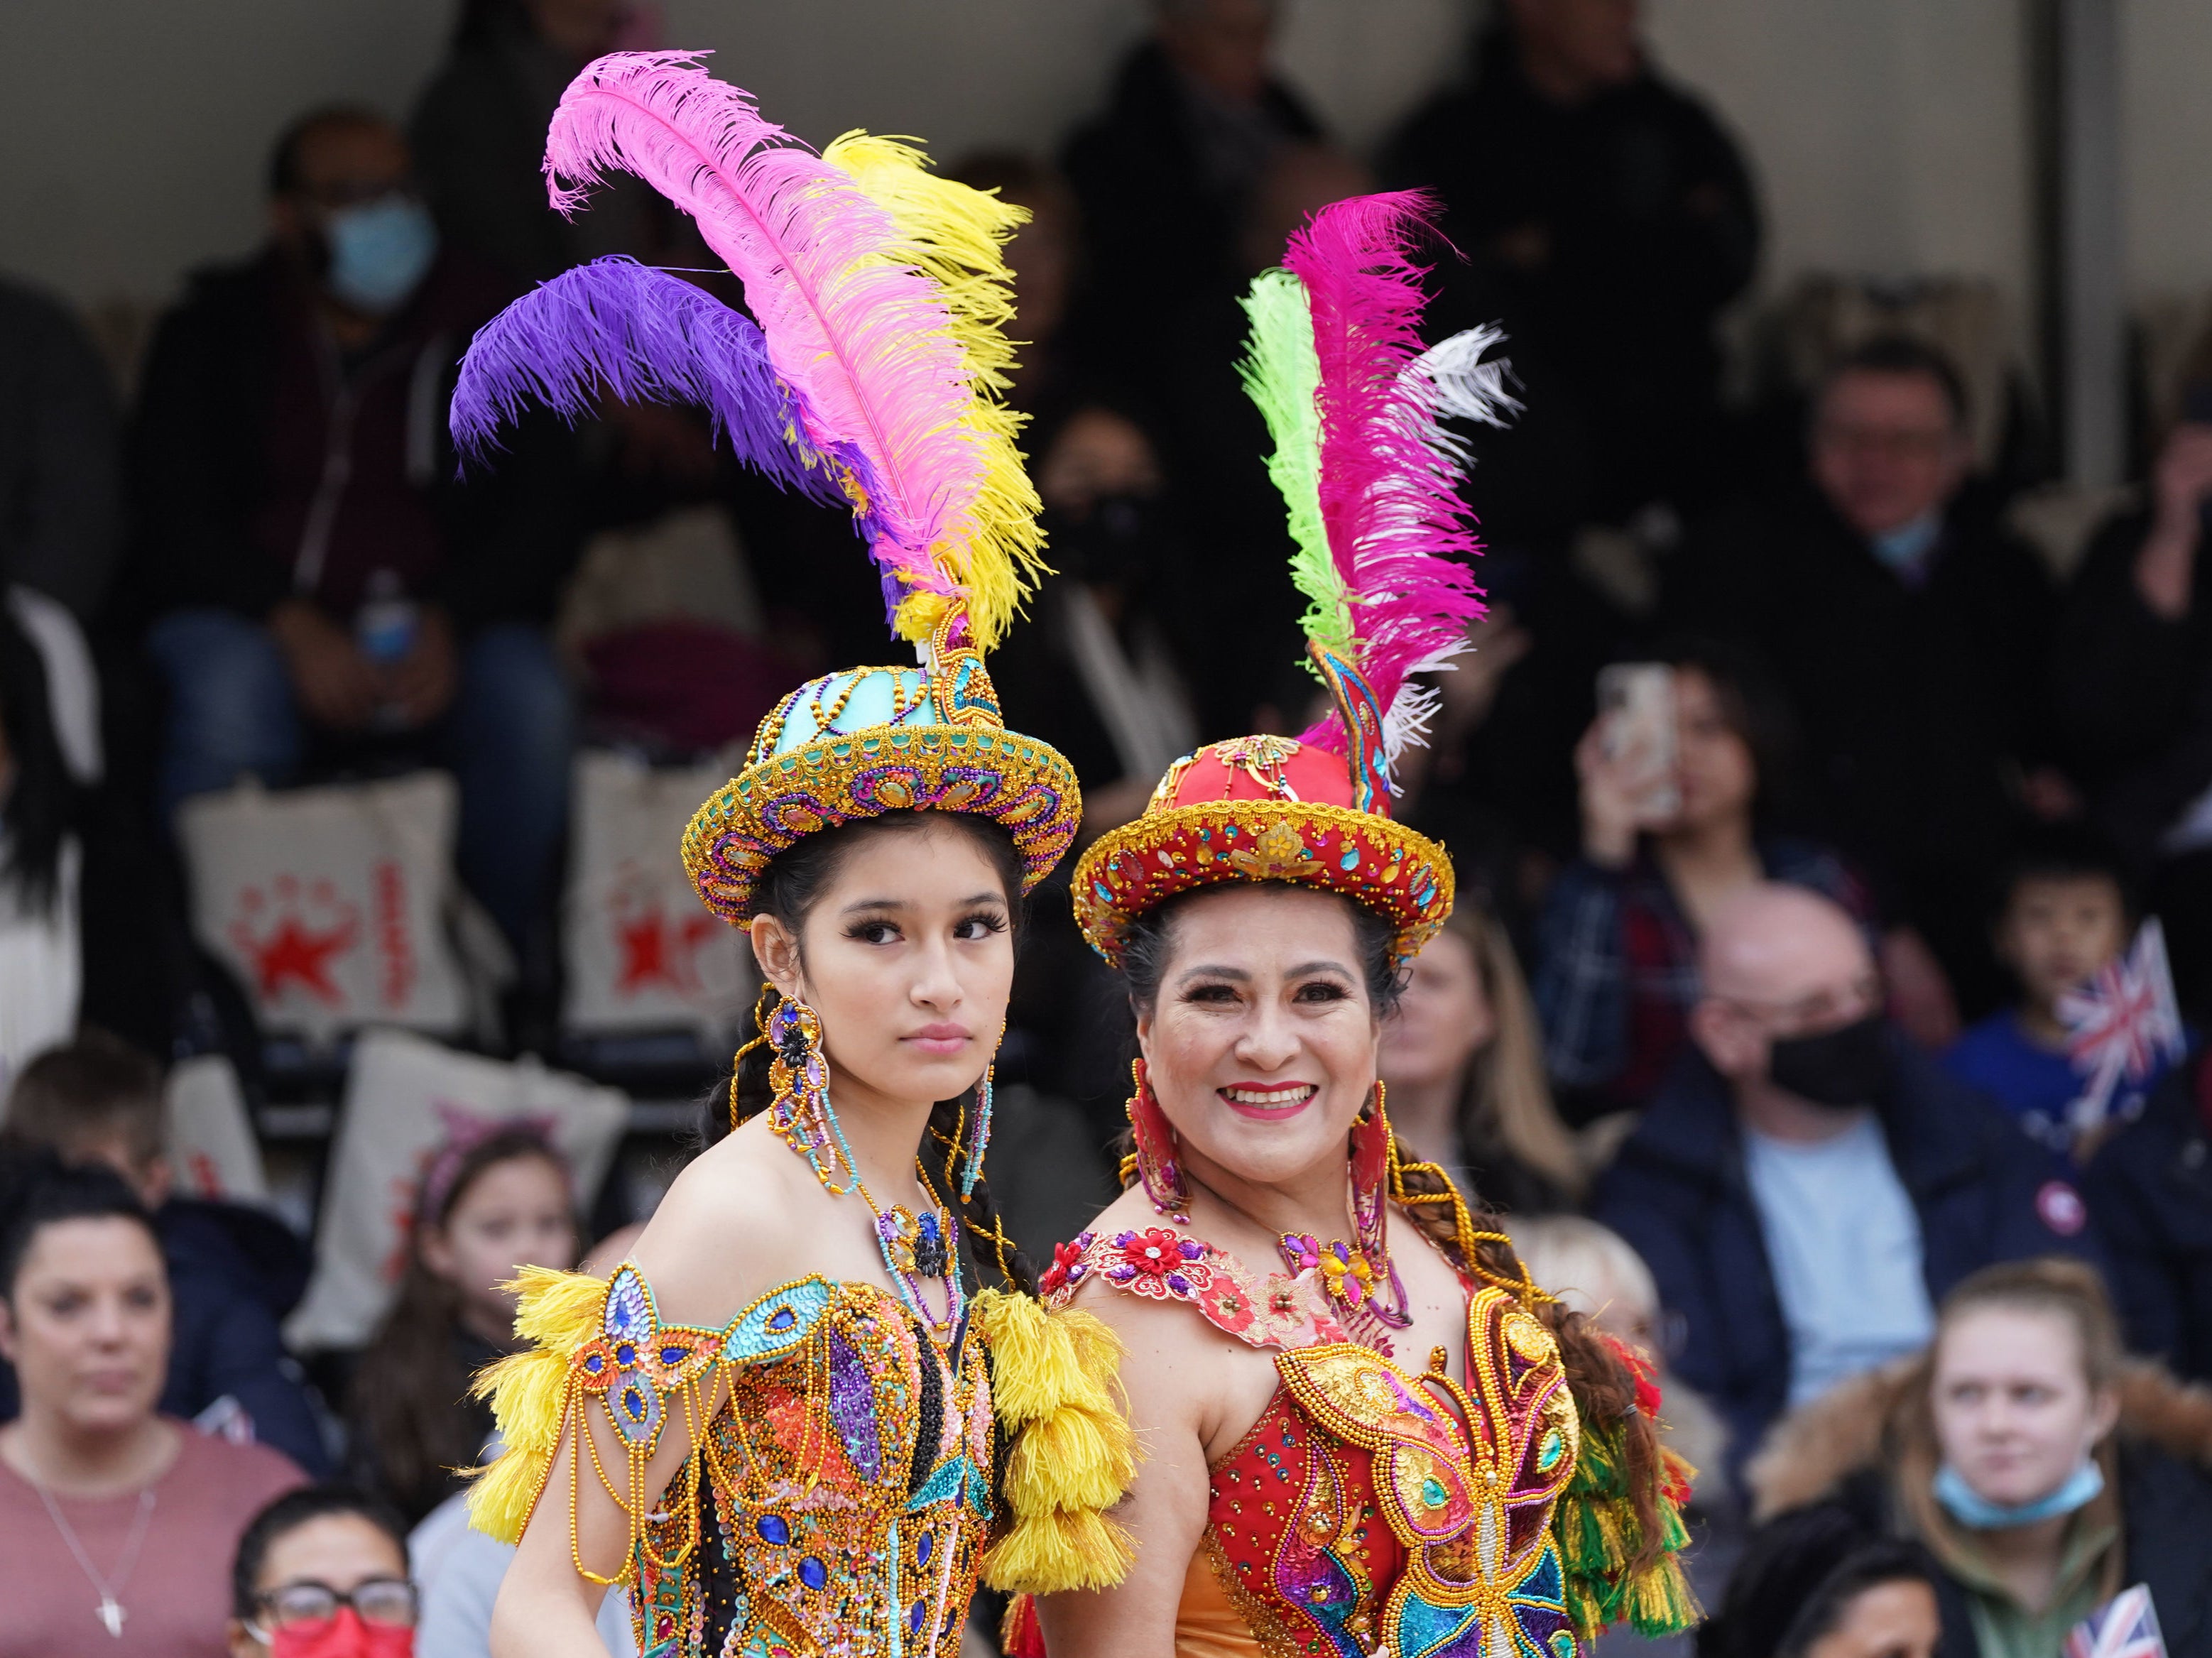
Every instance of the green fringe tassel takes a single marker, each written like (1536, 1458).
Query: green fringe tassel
(1596, 1529)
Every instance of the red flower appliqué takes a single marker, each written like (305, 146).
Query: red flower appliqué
(1067, 1267)
(1159, 1263)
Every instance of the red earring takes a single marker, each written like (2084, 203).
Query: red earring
(1372, 1152)
(1155, 1150)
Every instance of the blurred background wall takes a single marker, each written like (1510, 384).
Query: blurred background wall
(1890, 136)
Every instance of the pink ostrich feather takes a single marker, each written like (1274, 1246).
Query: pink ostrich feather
(1399, 535)
(857, 334)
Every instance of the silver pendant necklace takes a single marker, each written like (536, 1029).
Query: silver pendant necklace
(110, 1612)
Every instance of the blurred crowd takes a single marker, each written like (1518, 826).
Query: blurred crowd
(1754, 1019)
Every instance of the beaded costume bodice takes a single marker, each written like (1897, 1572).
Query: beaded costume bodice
(846, 1488)
(1368, 1510)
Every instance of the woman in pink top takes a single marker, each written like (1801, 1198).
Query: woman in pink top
(120, 1524)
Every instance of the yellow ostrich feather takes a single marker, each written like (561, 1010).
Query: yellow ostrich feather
(957, 236)
(555, 1313)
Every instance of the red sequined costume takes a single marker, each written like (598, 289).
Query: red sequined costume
(1368, 1510)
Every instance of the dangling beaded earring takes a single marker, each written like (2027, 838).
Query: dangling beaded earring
(738, 1059)
(1373, 1153)
(800, 1114)
(1155, 1150)
(979, 1130)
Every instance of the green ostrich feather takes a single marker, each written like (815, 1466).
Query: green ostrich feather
(1282, 373)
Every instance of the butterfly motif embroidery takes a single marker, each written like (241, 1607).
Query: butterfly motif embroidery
(634, 1361)
(1466, 1478)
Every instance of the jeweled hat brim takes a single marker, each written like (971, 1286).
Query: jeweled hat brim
(1401, 875)
(1022, 785)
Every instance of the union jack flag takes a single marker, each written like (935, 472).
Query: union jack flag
(2125, 1626)
(2122, 1023)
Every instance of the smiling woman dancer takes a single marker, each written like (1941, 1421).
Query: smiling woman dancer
(1361, 1437)
(783, 1423)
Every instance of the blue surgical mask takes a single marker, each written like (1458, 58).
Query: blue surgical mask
(380, 252)
(1904, 549)
(1977, 1513)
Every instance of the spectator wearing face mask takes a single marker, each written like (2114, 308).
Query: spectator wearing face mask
(1912, 634)
(322, 1573)
(2043, 1469)
(1807, 1184)
(324, 586)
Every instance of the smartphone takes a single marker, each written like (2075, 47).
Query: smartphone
(1637, 702)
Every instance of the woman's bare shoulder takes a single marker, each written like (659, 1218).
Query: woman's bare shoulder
(726, 1232)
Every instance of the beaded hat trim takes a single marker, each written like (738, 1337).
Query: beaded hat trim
(1022, 785)
(1394, 870)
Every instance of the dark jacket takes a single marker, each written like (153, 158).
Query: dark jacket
(61, 475)
(1920, 704)
(1160, 219)
(478, 137)
(235, 1272)
(1648, 228)
(253, 434)
(2150, 1192)
(2134, 691)
(1678, 1194)
(1847, 1447)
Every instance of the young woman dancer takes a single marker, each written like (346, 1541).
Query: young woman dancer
(781, 1423)
(1366, 1432)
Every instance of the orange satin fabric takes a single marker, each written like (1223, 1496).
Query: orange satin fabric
(1207, 1624)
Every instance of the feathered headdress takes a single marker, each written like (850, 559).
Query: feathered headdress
(870, 373)
(1363, 457)
(873, 372)
(1381, 543)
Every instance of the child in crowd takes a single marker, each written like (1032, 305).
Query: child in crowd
(489, 1203)
(233, 1271)
(2065, 913)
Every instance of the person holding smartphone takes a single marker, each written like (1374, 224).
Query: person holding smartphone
(1683, 782)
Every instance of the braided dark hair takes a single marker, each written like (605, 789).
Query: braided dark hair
(788, 889)
(1469, 1235)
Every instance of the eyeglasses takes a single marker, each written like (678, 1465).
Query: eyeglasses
(388, 1600)
(1821, 1009)
(1900, 443)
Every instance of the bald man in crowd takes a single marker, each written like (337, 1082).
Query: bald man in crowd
(1807, 1184)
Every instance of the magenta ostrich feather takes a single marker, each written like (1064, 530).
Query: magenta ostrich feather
(1399, 536)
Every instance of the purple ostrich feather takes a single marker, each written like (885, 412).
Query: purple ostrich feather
(617, 327)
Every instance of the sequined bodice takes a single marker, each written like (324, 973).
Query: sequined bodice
(1369, 1510)
(847, 1487)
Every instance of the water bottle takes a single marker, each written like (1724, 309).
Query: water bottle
(384, 627)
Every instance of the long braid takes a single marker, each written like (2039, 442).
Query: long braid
(979, 1214)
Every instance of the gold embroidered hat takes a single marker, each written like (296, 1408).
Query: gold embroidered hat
(866, 741)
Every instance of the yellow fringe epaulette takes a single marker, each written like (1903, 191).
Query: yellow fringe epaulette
(555, 1313)
(1054, 1382)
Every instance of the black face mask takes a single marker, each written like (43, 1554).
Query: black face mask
(1839, 1069)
